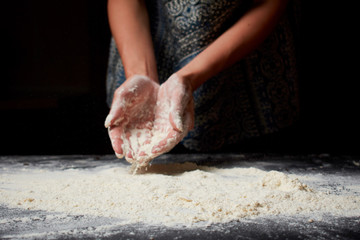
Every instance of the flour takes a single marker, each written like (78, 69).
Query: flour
(171, 195)
(141, 143)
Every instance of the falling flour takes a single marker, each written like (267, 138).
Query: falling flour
(171, 195)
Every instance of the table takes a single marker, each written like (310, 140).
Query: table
(35, 224)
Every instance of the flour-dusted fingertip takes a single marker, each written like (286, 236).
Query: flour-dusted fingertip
(176, 121)
(108, 120)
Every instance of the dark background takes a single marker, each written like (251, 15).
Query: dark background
(52, 88)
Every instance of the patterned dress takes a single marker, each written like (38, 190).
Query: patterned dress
(256, 96)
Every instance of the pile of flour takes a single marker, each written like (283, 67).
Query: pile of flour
(173, 194)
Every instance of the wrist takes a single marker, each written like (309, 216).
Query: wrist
(192, 76)
(148, 70)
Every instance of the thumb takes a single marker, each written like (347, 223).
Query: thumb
(117, 108)
(180, 97)
(177, 108)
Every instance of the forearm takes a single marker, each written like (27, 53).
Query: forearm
(234, 44)
(129, 24)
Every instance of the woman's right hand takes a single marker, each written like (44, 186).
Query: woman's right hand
(132, 108)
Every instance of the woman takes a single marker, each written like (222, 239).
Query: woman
(209, 73)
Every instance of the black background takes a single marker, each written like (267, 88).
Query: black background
(52, 88)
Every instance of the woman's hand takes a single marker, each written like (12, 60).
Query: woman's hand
(131, 116)
(174, 115)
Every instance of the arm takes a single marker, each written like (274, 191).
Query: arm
(243, 37)
(129, 24)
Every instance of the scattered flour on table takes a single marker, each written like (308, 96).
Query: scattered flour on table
(171, 195)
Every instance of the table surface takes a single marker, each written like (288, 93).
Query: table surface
(41, 226)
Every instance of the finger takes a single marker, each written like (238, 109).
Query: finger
(111, 120)
(128, 148)
(176, 121)
(178, 102)
(117, 110)
(129, 157)
(115, 134)
(182, 105)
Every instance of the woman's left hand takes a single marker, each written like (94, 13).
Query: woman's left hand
(174, 113)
